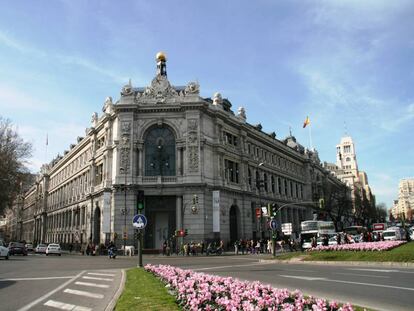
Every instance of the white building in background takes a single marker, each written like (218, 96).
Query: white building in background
(347, 170)
(405, 204)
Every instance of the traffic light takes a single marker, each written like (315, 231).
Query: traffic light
(185, 232)
(125, 235)
(141, 200)
(195, 199)
(321, 203)
(274, 210)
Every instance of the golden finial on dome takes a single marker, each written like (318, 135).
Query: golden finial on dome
(161, 57)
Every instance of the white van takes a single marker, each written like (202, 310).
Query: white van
(393, 234)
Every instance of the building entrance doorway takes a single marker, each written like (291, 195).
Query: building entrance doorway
(160, 212)
(97, 226)
(234, 230)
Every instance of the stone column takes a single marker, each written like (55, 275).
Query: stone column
(140, 161)
(179, 164)
(178, 212)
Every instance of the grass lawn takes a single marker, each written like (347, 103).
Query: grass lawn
(404, 253)
(145, 292)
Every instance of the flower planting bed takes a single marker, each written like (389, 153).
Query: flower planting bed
(364, 246)
(199, 291)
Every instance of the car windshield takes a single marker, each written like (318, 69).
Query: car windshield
(53, 245)
(14, 244)
(389, 233)
(42, 245)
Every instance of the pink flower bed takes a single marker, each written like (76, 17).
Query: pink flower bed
(364, 246)
(199, 291)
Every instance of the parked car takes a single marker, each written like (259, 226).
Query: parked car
(29, 247)
(4, 251)
(40, 249)
(17, 248)
(53, 249)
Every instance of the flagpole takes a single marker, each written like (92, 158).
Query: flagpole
(310, 136)
(47, 143)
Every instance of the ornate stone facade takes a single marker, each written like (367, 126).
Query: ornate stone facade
(178, 148)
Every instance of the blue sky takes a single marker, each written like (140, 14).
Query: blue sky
(336, 61)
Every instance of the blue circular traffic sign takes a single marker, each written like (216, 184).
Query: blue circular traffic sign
(273, 224)
(139, 221)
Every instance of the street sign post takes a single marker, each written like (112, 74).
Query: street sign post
(273, 224)
(139, 222)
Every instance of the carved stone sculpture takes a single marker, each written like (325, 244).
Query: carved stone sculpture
(192, 88)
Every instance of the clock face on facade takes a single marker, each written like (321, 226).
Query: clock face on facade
(160, 152)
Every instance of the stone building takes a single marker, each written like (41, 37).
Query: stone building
(202, 167)
(346, 169)
(403, 207)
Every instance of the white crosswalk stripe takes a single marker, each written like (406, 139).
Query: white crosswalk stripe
(92, 284)
(65, 306)
(83, 293)
(100, 274)
(95, 278)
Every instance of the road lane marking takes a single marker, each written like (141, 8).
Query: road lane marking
(65, 306)
(381, 270)
(374, 270)
(39, 279)
(346, 282)
(92, 284)
(307, 278)
(223, 267)
(83, 293)
(101, 274)
(40, 299)
(367, 275)
(95, 278)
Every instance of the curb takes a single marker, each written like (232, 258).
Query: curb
(112, 303)
(345, 263)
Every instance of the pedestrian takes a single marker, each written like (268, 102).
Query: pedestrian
(258, 247)
(338, 238)
(70, 247)
(164, 248)
(236, 247)
(269, 246)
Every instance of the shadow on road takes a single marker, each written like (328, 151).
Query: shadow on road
(4, 284)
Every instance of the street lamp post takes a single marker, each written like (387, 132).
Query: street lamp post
(260, 185)
(125, 208)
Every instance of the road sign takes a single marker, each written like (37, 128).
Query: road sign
(139, 221)
(273, 224)
(287, 228)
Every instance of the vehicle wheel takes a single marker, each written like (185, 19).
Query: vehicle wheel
(7, 257)
(60, 254)
(47, 254)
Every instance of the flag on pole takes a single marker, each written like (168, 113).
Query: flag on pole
(307, 122)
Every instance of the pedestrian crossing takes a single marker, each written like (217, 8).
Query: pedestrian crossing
(90, 285)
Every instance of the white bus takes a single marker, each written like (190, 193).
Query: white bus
(315, 228)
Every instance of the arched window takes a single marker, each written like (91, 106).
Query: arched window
(160, 152)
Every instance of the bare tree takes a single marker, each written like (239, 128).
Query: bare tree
(338, 204)
(14, 153)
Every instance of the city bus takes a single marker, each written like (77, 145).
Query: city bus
(315, 228)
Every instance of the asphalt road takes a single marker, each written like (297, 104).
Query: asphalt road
(41, 283)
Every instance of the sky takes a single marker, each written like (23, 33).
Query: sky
(348, 65)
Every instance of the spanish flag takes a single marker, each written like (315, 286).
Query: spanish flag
(307, 122)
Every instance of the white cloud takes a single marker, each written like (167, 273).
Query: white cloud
(77, 61)
(17, 99)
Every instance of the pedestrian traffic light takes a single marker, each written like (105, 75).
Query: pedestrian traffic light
(274, 210)
(125, 235)
(141, 200)
(321, 203)
(185, 232)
